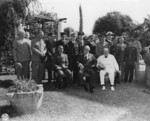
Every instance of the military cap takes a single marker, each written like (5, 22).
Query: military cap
(109, 33)
(62, 33)
(72, 34)
(81, 33)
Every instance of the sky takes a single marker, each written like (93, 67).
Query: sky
(93, 9)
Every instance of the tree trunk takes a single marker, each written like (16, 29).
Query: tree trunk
(81, 19)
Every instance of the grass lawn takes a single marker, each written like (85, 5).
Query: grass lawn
(128, 103)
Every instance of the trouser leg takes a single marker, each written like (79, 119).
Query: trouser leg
(92, 79)
(49, 74)
(59, 78)
(102, 77)
(126, 73)
(19, 70)
(111, 77)
(26, 69)
(122, 71)
(81, 80)
(131, 73)
(41, 72)
(137, 70)
(35, 69)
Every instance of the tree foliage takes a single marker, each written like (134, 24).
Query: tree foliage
(142, 32)
(113, 21)
(12, 12)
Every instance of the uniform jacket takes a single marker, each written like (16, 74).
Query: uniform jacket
(100, 48)
(60, 59)
(130, 55)
(116, 51)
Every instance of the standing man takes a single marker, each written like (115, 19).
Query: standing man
(63, 42)
(38, 57)
(51, 46)
(130, 59)
(81, 42)
(115, 50)
(92, 44)
(122, 46)
(147, 62)
(61, 65)
(22, 56)
(27, 36)
(109, 37)
(72, 56)
(100, 46)
(86, 63)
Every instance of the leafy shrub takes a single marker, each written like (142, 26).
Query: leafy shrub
(23, 86)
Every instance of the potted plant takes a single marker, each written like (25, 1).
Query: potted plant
(25, 96)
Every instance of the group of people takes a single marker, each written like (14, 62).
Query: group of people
(77, 59)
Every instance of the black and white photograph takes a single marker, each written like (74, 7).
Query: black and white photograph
(74, 60)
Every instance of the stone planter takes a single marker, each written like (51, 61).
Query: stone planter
(26, 102)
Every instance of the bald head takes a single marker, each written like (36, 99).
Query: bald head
(21, 34)
(60, 49)
(86, 49)
(106, 51)
(27, 35)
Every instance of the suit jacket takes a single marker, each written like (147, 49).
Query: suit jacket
(87, 62)
(38, 47)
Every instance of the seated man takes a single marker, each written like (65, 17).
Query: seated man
(108, 65)
(61, 66)
(86, 63)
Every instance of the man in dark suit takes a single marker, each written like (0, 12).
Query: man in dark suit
(63, 42)
(86, 63)
(61, 66)
(130, 59)
(51, 46)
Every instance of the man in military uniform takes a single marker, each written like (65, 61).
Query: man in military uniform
(115, 50)
(63, 42)
(38, 57)
(72, 56)
(51, 46)
(86, 63)
(81, 42)
(130, 59)
(61, 66)
(109, 37)
(91, 44)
